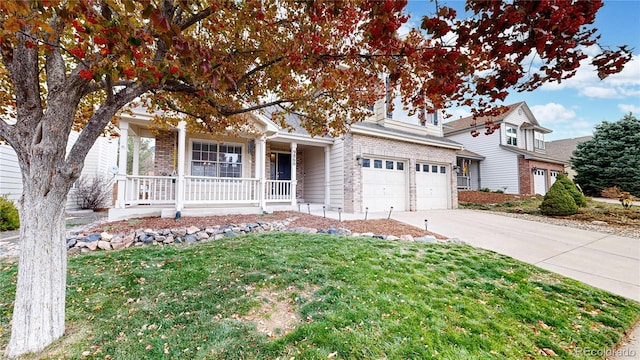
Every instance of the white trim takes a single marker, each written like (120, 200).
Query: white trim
(244, 154)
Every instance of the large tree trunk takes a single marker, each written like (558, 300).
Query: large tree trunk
(39, 308)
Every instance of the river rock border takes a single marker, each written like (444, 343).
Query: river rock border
(82, 242)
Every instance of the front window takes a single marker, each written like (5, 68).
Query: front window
(512, 136)
(212, 159)
(539, 140)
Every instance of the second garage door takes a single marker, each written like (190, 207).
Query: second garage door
(431, 186)
(384, 184)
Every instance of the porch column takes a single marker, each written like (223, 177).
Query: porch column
(122, 164)
(294, 170)
(261, 158)
(327, 176)
(135, 171)
(182, 133)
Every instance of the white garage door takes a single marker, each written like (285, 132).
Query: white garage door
(431, 186)
(384, 184)
(539, 182)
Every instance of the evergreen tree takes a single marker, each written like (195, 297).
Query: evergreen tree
(558, 201)
(580, 200)
(610, 158)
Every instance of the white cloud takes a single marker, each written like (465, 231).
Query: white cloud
(552, 113)
(600, 92)
(586, 81)
(629, 108)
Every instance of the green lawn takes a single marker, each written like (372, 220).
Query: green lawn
(355, 298)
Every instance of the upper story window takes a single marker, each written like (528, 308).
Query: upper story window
(430, 118)
(213, 159)
(512, 135)
(388, 100)
(538, 140)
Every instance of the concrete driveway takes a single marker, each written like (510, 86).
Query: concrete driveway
(605, 261)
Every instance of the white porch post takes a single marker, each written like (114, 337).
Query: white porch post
(135, 171)
(327, 176)
(294, 173)
(122, 164)
(261, 158)
(182, 133)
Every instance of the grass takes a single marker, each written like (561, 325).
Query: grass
(358, 299)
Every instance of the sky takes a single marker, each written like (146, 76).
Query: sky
(574, 107)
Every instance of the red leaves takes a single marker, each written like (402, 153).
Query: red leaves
(86, 74)
(78, 52)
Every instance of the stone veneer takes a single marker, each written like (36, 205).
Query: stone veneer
(356, 144)
(525, 173)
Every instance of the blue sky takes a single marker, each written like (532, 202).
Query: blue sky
(573, 108)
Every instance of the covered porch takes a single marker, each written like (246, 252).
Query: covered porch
(198, 175)
(468, 170)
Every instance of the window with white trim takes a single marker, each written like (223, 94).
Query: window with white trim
(512, 135)
(213, 159)
(538, 140)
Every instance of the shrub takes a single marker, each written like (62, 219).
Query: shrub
(611, 193)
(9, 218)
(626, 200)
(558, 201)
(498, 191)
(485, 189)
(93, 192)
(577, 196)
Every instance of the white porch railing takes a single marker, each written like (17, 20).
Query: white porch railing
(202, 190)
(150, 190)
(211, 190)
(278, 190)
(464, 183)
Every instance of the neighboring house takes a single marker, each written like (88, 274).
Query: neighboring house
(101, 157)
(386, 161)
(563, 150)
(512, 159)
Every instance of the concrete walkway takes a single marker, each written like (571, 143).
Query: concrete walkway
(605, 261)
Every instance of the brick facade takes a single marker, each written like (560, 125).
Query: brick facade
(165, 153)
(361, 145)
(525, 173)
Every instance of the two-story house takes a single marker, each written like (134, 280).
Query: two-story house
(512, 159)
(389, 160)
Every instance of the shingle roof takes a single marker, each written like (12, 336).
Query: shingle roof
(563, 149)
(466, 122)
(469, 154)
(533, 155)
(406, 133)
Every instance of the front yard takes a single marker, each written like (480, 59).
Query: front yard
(287, 295)
(611, 213)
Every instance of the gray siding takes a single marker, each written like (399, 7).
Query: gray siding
(337, 174)
(499, 169)
(314, 175)
(10, 177)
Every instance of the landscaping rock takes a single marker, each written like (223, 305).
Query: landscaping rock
(426, 239)
(92, 245)
(106, 236)
(192, 230)
(190, 238)
(407, 238)
(599, 223)
(104, 245)
(71, 243)
(392, 238)
(92, 237)
(367, 234)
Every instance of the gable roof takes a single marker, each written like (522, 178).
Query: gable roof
(466, 123)
(563, 149)
(530, 155)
